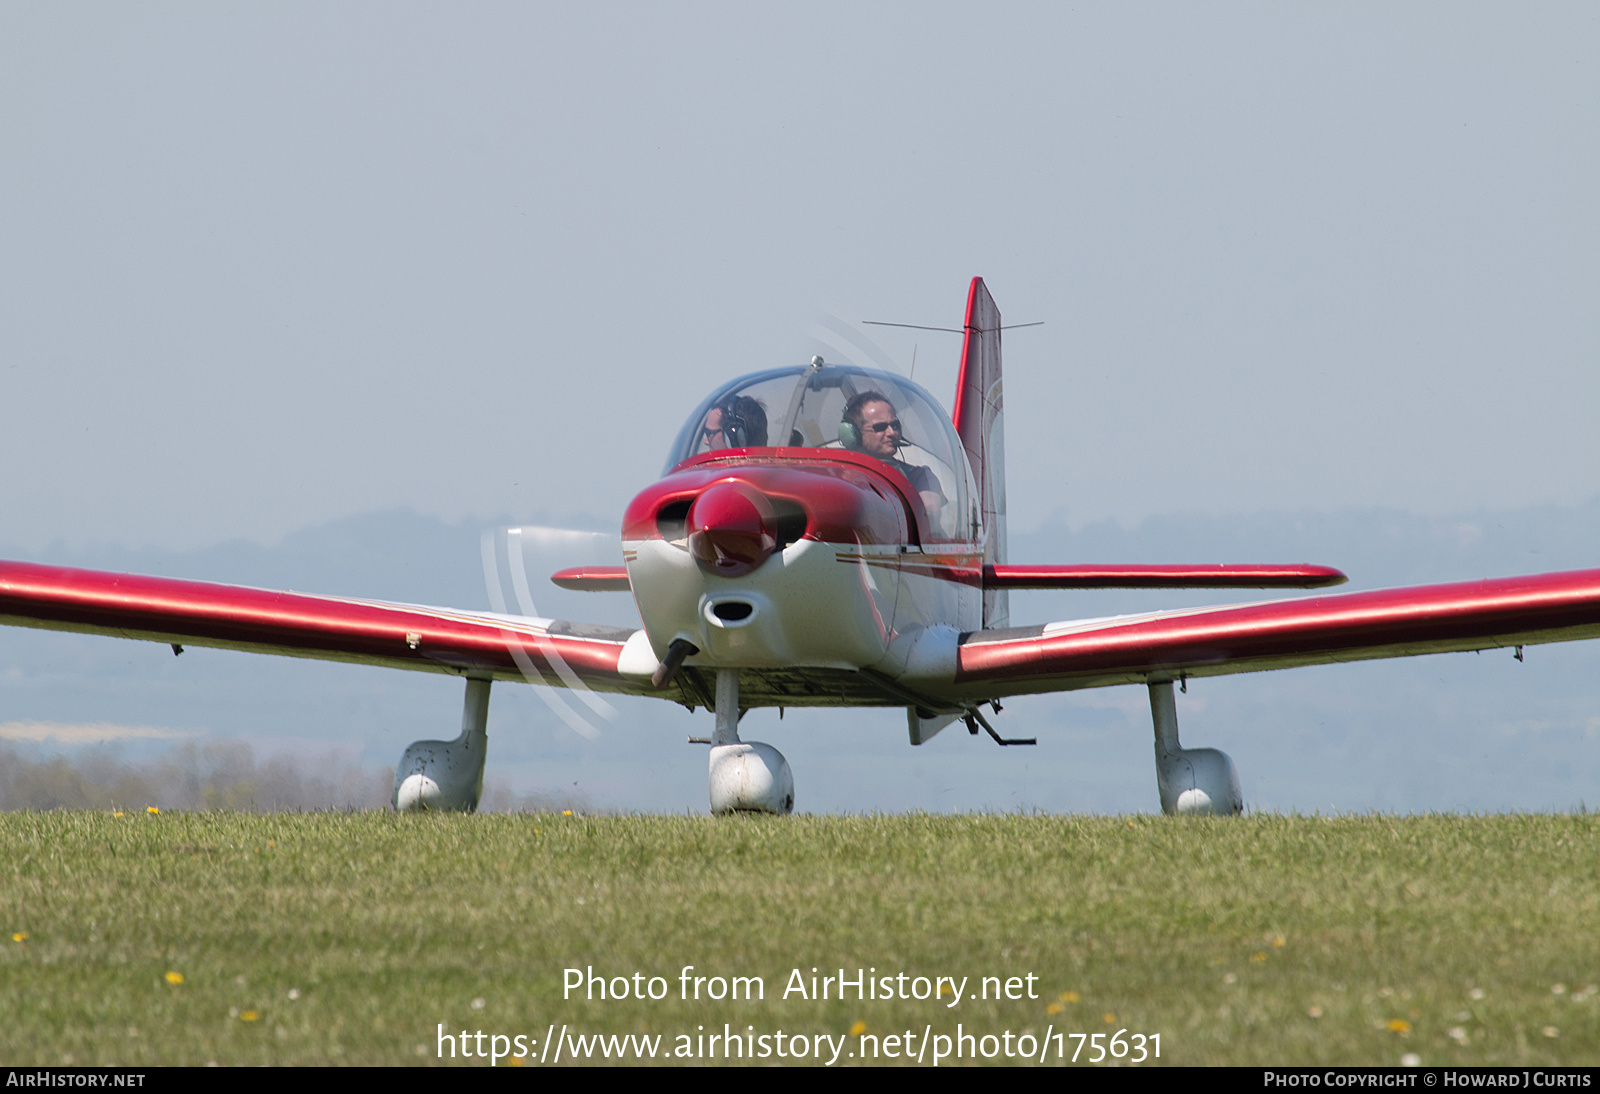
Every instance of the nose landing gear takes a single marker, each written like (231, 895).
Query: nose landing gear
(746, 776)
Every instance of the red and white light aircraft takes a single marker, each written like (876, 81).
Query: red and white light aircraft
(825, 536)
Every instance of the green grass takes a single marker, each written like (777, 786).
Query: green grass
(1223, 936)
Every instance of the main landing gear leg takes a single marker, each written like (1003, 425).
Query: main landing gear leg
(447, 775)
(746, 776)
(1191, 780)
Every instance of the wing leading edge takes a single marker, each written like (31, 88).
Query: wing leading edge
(1318, 630)
(403, 636)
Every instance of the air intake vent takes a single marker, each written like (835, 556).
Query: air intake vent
(790, 523)
(672, 520)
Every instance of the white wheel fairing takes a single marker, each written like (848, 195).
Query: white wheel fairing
(750, 776)
(447, 775)
(1190, 780)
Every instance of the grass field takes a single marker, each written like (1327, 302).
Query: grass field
(349, 938)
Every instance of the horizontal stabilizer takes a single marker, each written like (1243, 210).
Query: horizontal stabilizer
(593, 579)
(1090, 576)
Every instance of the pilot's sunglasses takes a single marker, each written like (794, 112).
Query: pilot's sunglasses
(879, 427)
(708, 432)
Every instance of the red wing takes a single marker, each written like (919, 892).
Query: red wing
(1281, 634)
(404, 636)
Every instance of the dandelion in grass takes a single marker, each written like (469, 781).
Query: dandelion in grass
(1108, 1018)
(858, 1028)
(1258, 957)
(152, 810)
(1398, 1025)
(118, 813)
(1069, 997)
(20, 936)
(1279, 942)
(566, 812)
(1054, 1008)
(249, 1016)
(174, 978)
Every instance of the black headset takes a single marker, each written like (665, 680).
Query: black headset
(734, 430)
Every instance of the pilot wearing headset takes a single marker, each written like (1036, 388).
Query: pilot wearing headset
(736, 422)
(870, 426)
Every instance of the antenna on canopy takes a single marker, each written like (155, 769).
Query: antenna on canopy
(913, 375)
(910, 326)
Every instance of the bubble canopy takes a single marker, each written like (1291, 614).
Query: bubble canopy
(805, 407)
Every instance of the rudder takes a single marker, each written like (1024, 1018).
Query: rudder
(978, 418)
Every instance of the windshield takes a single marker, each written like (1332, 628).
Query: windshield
(846, 407)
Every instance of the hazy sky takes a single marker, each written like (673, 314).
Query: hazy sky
(268, 265)
(263, 267)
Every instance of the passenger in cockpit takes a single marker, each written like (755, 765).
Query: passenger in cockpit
(736, 422)
(870, 426)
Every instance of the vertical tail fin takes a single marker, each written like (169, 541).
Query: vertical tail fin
(978, 420)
